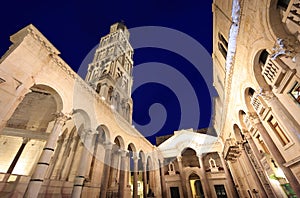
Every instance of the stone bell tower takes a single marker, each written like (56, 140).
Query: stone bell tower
(110, 73)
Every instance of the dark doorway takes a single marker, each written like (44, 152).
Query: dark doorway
(174, 192)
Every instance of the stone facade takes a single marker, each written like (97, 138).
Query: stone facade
(256, 73)
(62, 136)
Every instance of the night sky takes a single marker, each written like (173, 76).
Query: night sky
(75, 28)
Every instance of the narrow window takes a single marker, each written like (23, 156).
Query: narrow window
(222, 50)
(278, 131)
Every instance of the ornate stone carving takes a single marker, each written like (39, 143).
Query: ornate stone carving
(285, 47)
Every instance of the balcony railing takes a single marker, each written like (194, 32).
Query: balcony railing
(291, 17)
(277, 74)
(231, 150)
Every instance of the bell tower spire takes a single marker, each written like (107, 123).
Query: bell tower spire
(110, 72)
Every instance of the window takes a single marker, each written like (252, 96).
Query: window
(222, 50)
(295, 92)
(98, 88)
(278, 131)
(220, 191)
(222, 45)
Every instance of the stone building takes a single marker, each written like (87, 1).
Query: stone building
(256, 55)
(62, 136)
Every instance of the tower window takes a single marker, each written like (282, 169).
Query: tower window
(222, 50)
(222, 45)
(295, 92)
(278, 131)
(98, 88)
(223, 40)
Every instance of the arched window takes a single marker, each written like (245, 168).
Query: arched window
(98, 88)
(109, 95)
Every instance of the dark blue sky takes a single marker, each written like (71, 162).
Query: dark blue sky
(75, 27)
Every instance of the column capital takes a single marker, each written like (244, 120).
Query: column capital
(108, 145)
(267, 95)
(62, 117)
(179, 158)
(200, 155)
(135, 157)
(123, 153)
(253, 117)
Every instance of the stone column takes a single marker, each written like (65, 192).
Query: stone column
(260, 168)
(260, 187)
(83, 164)
(135, 176)
(228, 176)
(106, 170)
(123, 168)
(43, 164)
(113, 177)
(145, 178)
(182, 176)
(162, 178)
(275, 153)
(204, 182)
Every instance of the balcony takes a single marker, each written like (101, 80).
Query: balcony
(291, 16)
(231, 150)
(259, 106)
(277, 74)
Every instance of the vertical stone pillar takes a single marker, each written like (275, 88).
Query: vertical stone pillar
(182, 176)
(204, 181)
(113, 177)
(43, 163)
(122, 180)
(145, 178)
(83, 165)
(275, 153)
(261, 189)
(162, 178)
(135, 176)
(228, 176)
(106, 170)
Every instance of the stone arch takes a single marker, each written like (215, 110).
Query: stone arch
(142, 156)
(189, 158)
(237, 133)
(131, 147)
(81, 120)
(273, 26)
(194, 181)
(241, 117)
(258, 61)
(248, 94)
(103, 133)
(120, 142)
(149, 163)
(37, 109)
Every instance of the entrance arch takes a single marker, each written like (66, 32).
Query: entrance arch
(196, 186)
